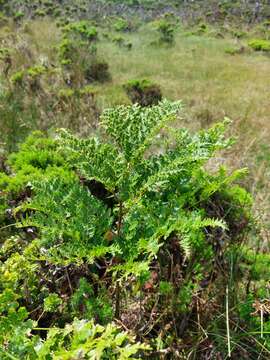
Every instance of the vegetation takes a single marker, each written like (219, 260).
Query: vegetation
(259, 45)
(143, 92)
(166, 31)
(132, 224)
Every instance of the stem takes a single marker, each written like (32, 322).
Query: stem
(261, 322)
(10, 356)
(227, 322)
(69, 282)
(120, 216)
(117, 300)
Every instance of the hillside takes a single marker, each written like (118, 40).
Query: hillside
(248, 11)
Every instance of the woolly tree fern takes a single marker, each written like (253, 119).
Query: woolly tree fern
(155, 193)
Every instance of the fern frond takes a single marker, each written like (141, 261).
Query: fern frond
(133, 127)
(73, 221)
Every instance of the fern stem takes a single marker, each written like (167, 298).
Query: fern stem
(117, 300)
(227, 322)
(10, 356)
(261, 323)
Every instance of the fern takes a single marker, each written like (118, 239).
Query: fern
(103, 219)
(73, 222)
(155, 195)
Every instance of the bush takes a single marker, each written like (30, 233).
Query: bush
(235, 50)
(122, 25)
(166, 30)
(97, 71)
(17, 78)
(143, 92)
(121, 42)
(259, 45)
(18, 15)
(78, 54)
(82, 28)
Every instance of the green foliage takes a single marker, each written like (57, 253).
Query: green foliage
(166, 30)
(121, 25)
(143, 92)
(121, 42)
(100, 218)
(17, 78)
(165, 288)
(36, 71)
(81, 338)
(14, 329)
(4, 54)
(37, 158)
(83, 29)
(66, 50)
(18, 15)
(234, 50)
(85, 339)
(259, 45)
(78, 54)
(51, 303)
(88, 305)
(68, 232)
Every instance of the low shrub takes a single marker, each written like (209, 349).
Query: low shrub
(143, 92)
(166, 31)
(82, 28)
(78, 55)
(121, 42)
(122, 25)
(17, 78)
(259, 45)
(235, 50)
(97, 71)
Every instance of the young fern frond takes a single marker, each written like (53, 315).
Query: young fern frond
(132, 127)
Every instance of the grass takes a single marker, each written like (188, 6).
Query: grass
(212, 84)
(197, 70)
